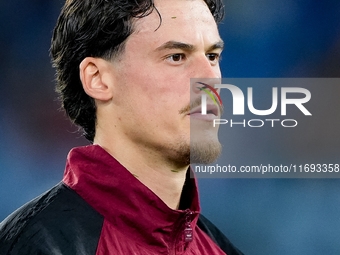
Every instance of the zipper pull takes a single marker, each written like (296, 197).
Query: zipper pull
(188, 233)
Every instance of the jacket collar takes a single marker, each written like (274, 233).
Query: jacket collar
(124, 201)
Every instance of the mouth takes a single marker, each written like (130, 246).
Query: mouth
(212, 112)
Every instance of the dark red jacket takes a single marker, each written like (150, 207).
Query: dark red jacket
(101, 208)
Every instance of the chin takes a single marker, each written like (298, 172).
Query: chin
(205, 152)
(205, 147)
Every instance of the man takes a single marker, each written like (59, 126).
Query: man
(124, 70)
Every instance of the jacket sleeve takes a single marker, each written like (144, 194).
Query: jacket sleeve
(58, 222)
(217, 236)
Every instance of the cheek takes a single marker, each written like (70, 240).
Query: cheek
(154, 89)
(172, 99)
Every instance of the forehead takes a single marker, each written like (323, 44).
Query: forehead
(181, 20)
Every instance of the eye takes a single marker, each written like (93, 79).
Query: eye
(213, 57)
(178, 57)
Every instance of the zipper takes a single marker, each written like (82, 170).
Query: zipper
(183, 236)
(188, 233)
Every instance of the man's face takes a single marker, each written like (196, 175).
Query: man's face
(150, 105)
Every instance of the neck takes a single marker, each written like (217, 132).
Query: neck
(164, 178)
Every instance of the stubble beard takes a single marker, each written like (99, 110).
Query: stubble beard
(198, 152)
(204, 153)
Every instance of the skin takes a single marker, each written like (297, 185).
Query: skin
(142, 97)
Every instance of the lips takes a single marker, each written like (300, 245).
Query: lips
(212, 112)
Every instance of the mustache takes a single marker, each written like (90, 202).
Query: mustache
(198, 102)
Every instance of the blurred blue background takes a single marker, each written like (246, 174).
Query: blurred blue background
(264, 38)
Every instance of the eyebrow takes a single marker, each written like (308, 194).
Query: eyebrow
(176, 45)
(218, 45)
(187, 47)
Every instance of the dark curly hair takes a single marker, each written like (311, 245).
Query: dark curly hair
(95, 28)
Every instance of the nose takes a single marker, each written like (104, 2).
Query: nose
(199, 84)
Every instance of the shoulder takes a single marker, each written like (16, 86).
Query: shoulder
(57, 222)
(217, 236)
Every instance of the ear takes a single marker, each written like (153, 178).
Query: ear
(93, 77)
